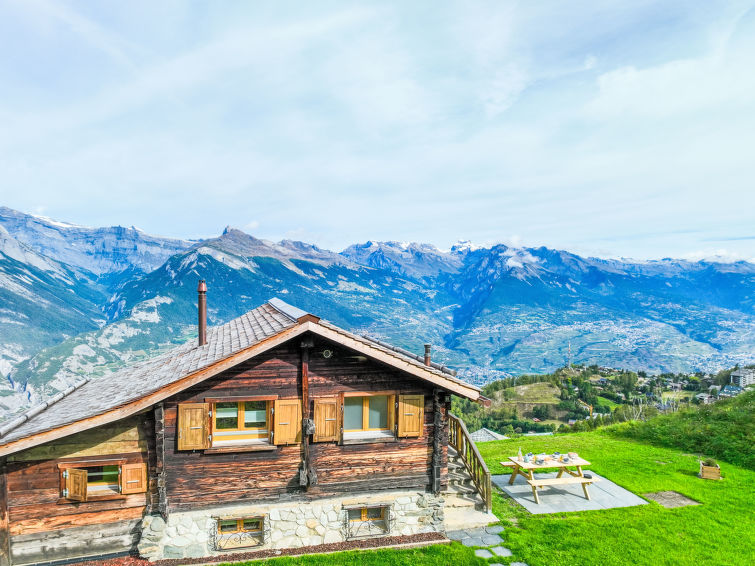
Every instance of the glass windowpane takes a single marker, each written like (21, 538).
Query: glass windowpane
(379, 411)
(252, 525)
(227, 526)
(226, 415)
(375, 513)
(255, 414)
(355, 514)
(102, 475)
(352, 413)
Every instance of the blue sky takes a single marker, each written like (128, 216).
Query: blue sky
(618, 129)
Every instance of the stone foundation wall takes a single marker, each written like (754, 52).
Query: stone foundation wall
(193, 534)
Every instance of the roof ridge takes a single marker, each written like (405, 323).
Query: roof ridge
(412, 355)
(34, 411)
(292, 312)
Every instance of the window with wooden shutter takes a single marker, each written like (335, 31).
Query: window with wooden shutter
(411, 415)
(133, 478)
(193, 426)
(326, 419)
(286, 421)
(76, 484)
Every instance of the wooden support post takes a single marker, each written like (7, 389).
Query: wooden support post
(439, 439)
(160, 471)
(4, 524)
(308, 475)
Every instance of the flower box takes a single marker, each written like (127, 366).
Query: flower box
(710, 472)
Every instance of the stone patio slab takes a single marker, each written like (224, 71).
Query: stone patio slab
(604, 494)
(501, 551)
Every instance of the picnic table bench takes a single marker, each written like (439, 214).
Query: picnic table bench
(527, 470)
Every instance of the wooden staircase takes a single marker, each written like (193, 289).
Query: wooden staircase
(468, 496)
(461, 491)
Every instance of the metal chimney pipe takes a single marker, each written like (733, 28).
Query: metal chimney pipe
(202, 306)
(427, 354)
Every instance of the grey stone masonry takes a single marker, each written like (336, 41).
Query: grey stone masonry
(194, 534)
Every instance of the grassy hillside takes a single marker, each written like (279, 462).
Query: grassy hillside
(708, 533)
(725, 430)
(535, 393)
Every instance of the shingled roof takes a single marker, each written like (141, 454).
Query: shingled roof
(190, 363)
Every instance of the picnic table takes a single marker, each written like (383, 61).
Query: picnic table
(527, 469)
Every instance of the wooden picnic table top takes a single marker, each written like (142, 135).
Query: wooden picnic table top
(551, 463)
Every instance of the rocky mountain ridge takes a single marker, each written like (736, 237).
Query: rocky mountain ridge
(488, 311)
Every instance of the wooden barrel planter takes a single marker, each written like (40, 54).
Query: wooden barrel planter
(709, 470)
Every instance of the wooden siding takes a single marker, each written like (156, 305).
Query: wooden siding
(196, 479)
(36, 509)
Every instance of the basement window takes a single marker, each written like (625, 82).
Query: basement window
(367, 521)
(239, 532)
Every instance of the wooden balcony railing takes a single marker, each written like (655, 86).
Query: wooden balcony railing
(459, 439)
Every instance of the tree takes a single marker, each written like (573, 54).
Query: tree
(541, 412)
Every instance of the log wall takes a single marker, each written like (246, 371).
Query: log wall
(42, 527)
(196, 479)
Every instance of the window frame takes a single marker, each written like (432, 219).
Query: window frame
(262, 443)
(83, 464)
(240, 526)
(368, 527)
(369, 436)
(239, 538)
(240, 420)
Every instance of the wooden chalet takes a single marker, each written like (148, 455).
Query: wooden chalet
(275, 430)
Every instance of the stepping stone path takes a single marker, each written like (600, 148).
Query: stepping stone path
(487, 537)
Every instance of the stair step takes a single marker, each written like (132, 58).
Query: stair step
(461, 489)
(459, 474)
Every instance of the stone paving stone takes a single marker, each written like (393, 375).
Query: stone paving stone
(494, 530)
(457, 535)
(501, 551)
(516, 564)
(491, 539)
(473, 541)
(478, 532)
(482, 553)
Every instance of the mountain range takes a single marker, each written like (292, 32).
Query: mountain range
(77, 300)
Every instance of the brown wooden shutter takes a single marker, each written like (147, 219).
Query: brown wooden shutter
(133, 478)
(76, 484)
(193, 426)
(286, 421)
(326, 419)
(411, 415)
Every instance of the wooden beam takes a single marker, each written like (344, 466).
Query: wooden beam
(161, 471)
(438, 433)
(308, 469)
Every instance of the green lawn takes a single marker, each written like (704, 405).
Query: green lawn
(717, 532)
(444, 555)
